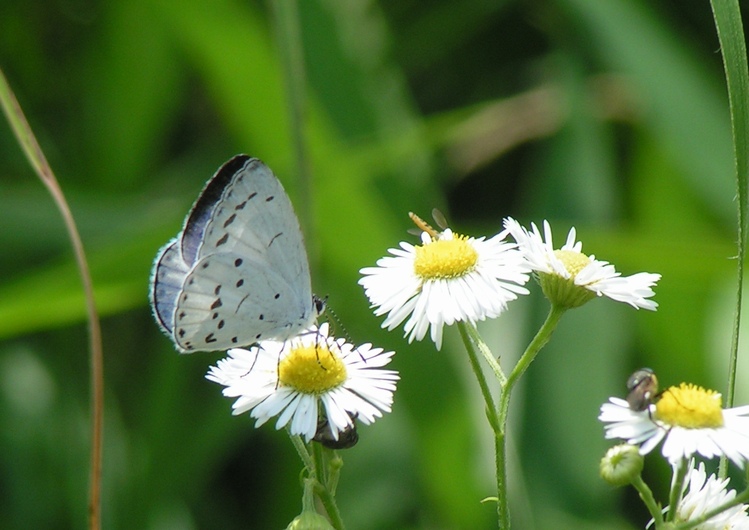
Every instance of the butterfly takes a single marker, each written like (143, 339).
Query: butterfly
(238, 272)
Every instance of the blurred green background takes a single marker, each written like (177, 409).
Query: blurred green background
(607, 115)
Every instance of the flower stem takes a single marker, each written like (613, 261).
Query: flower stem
(473, 342)
(301, 449)
(646, 494)
(325, 480)
(538, 342)
(324, 490)
(473, 334)
(677, 485)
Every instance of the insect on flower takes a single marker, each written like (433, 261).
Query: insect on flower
(643, 389)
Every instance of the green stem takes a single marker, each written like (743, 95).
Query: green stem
(646, 495)
(324, 491)
(301, 449)
(467, 333)
(475, 338)
(728, 25)
(475, 344)
(677, 485)
(538, 342)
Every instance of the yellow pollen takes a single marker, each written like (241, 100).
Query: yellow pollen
(691, 407)
(573, 261)
(312, 369)
(445, 258)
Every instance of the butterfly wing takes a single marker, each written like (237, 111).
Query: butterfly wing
(238, 271)
(229, 301)
(255, 217)
(168, 275)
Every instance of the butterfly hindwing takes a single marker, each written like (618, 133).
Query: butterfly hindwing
(229, 301)
(166, 283)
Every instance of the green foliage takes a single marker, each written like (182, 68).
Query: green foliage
(411, 105)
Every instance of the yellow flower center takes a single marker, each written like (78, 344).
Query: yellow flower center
(312, 369)
(691, 407)
(445, 258)
(573, 261)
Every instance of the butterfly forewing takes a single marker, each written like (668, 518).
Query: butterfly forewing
(238, 271)
(256, 216)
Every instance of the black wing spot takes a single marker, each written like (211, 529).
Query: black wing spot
(214, 316)
(238, 262)
(192, 281)
(257, 337)
(251, 195)
(234, 340)
(184, 297)
(181, 315)
(230, 220)
(278, 295)
(240, 206)
(181, 332)
(223, 240)
(220, 324)
(205, 264)
(217, 290)
(210, 338)
(240, 282)
(261, 317)
(216, 304)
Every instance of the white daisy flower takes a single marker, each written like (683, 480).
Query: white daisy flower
(448, 278)
(294, 378)
(570, 278)
(688, 418)
(706, 493)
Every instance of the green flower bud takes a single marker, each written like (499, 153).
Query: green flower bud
(309, 521)
(622, 465)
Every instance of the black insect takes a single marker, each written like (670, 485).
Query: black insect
(346, 438)
(643, 389)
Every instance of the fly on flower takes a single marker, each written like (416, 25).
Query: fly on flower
(570, 279)
(306, 378)
(643, 389)
(447, 278)
(687, 418)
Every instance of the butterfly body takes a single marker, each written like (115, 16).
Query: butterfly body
(237, 273)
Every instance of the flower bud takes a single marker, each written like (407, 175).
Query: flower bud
(622, 465)
(309, 521)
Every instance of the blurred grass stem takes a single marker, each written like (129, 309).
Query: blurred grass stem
(288, 34)
(38, 161)
(727, 17)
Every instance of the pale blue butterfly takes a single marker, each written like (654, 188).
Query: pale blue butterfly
(237, 273)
